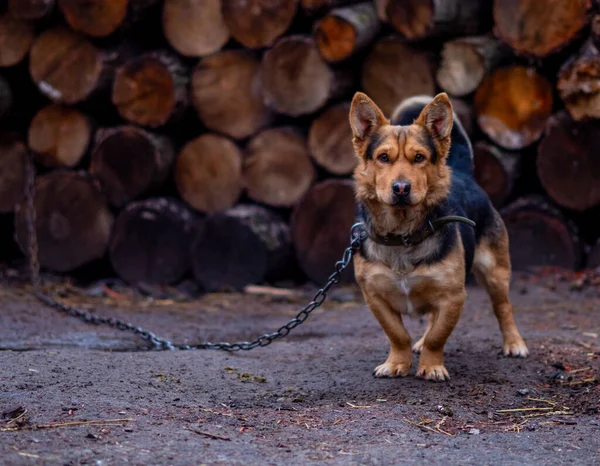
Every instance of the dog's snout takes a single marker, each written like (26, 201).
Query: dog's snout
(401, 188)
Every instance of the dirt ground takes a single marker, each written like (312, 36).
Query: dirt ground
(309, 398)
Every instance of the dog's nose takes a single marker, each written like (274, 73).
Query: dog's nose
(401, 188)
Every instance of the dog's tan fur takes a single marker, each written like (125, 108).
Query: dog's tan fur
(390, 283)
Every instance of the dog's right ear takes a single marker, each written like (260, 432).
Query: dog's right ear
(365, 116)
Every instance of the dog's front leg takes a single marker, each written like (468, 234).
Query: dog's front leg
(444, 318)
(400, 357)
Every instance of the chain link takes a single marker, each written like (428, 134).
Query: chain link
(356, 240)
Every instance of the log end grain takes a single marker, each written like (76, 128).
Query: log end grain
(537, 28)
(296, 80)
(330, 140)
(461, 68)
(277, 167)
(95, 19)
(16, 37)
(150, 241)
(512, 106)
(59, 135)
(227, 94)
(335, 37)
(30, 9)
(73, 222)
(495, 171)
(256, 23)
(208, 173)
(193, 28)
(65, 66)
(320, 225)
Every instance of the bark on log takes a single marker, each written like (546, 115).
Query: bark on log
(208, 173)
(312, 7)
(579, 83)
(320, 225)
(16, 37)
(195, 28)
(98, 18)
(466, 61)
(30, 9)
(60, 136)
(227, 95)
(151, 89)
(296, 80)
(537, 28)
(73, 222)
(417, 19)
(495, 171)
(394, 71)
(246, 244)
(540, 236)
(567, 162)
(13, 163)
(258, 23)
(512, 106)
(330, 140)
(150, 242)
(277, 167)
(345, 31)
(66, 67)
(129, 161)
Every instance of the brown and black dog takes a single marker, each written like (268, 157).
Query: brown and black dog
(414, 170)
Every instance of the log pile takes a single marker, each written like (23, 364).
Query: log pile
(210, 141)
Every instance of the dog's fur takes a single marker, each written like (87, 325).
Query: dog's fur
(428, 277)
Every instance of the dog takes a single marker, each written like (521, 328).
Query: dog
(426, 225)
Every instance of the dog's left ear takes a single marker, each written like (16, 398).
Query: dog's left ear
(437, 116)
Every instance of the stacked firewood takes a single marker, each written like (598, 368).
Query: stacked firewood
(210, 138)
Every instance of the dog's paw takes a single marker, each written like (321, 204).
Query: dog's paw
(437, 373)
(515, 347)
(418, 346)
(389, 369)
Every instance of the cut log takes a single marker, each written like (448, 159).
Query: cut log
(6, 96)
(345, 31)
(394, 71)
(16, 37)
(150, 242)
(495, 171)
(13, 165)
(247, 244)
(312, 7)
(567, 162)
(320, 225)
(208, 173)
(277, 167)
(417, 19)
(73, 221)
(296, 80)
(151, 89)
(195, 28)
(129, 161)
(465, 62)
(537, 28)
(593, 259)
(30, 9)
(330, 140)
(512, 106)
(540, 236)
(579, 82)
(98, 18)
(60, 136)
(227, 95)
(65, 66)
(258, 23)
(464, 112)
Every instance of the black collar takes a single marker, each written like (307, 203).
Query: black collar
(420, 235)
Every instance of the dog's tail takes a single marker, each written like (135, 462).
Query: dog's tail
(461, 150)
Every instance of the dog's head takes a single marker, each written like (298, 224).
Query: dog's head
(402, 166)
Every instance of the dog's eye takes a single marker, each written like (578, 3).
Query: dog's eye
(419, 158)
(383, 158)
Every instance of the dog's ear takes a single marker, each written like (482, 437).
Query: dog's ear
(365, 116)
(437, 117)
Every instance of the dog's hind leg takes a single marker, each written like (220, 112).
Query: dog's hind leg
(418, 346)
(492, 269)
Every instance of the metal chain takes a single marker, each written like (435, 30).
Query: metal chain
(356, 240)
